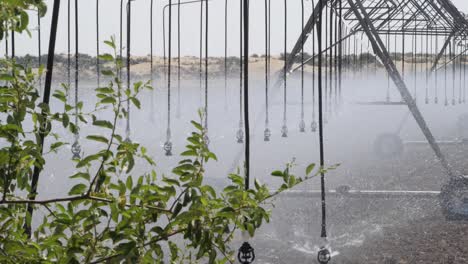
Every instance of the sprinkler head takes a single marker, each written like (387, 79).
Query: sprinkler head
(246, 254)
(436, 100)
(323, 255)
(302, 126)
(266, 135)
(76, 150)
(427, 100)
(240, 136)
(168, 148)
(453, 101)
(313, 126)
(284, 131)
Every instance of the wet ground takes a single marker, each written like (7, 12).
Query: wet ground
(404, 230)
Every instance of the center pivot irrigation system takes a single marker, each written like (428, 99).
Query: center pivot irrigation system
(434, 30)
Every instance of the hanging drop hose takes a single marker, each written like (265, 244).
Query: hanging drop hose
(403, 47)
(302, 123)
(445, 75)
(267, 132)
(45, 100)
(324, 254)
(39, 46)
(387, 97)
(326, 66)
(240, 131)
(452, 58)
(76, 148)
(168, 143)
(355, 57)
(206, 139)
(152, 113)
(284, 128)
(151, 48)
(436, 87)
(413, 60)
(178, 59)
(13, 45)
(200, 66)
(460, 79)
(129, 17)
(340, 55)
(246, 254)
(68, 47)
(313, 125)
(464, 74)
(6, 45)
(225, 53)
(334, 58)
(427, 66)
(121, 38)
(98, 71)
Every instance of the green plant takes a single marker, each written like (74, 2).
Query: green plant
(14, 16)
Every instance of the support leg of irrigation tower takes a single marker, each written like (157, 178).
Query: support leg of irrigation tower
(381, 51)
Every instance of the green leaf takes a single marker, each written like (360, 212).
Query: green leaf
(106, 57)
(136, 102)
(277, 173)
(56, 145)
(103, 123)
(129, 183)
(65, 120)
(81, 175)
(108, 100)
(6, 77)
(110, 44)
(98, 139)
(77, 189)
(310, 168)
(107, 73)
(197, 125)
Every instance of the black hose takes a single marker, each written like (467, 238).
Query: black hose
(206, 67)
(323, 232)
(98, 71)
(39, 45)
(246, 94)
(302, 124)
(284, 129)
(178, 58)
(129, 18)
(168, 144)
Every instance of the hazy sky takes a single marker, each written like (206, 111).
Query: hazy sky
(190, 21)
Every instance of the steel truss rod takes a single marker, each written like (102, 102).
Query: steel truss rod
(442, 51)
(311, 23)
(337, 43)
(452, 59)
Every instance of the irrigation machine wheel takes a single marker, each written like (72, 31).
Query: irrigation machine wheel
(388, 146)
(454, 199)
